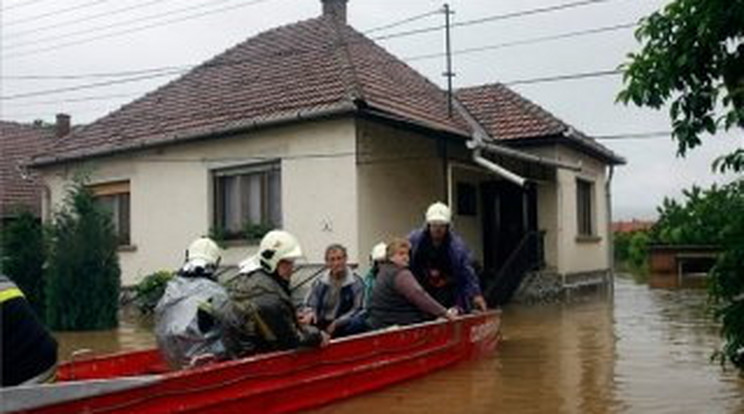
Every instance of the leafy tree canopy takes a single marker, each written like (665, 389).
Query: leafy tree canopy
(693, 59)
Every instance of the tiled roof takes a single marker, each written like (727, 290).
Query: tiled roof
(20, 186)
(631, 226)
(312, 67)
(508, 116)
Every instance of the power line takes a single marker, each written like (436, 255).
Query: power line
(525, 41)
(403, 21)
(635, 135)
(96, 75)
(19, 5)
(385, 37)
(573, 76)
(113, 25)
(497, 17)
(54, 13)
(88, 86)
(79, 99)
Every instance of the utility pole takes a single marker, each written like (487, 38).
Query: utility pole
(448, 45)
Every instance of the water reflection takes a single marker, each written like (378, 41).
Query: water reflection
(635, 351)
(134, 332)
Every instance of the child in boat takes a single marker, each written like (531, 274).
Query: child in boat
(397, 298)
(186, 329)
(336, 298)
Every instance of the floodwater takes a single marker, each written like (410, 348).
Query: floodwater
(635, 350)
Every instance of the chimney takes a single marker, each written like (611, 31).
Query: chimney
(335, 9)
(62, 126)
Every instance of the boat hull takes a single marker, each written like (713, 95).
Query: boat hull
(279, 382)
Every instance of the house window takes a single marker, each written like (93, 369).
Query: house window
(247, 200)
(114, 198)
(467, 199)
(585, 207)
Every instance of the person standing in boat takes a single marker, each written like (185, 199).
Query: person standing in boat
(186, 329)
(376, 257)
(441, 262)
(336, 298)
(260, 316)
(397, 298)
(29, 350)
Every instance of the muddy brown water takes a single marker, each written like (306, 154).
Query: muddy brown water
(635, 350)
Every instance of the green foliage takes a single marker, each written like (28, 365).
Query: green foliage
(703, 217)
(714, 216)
(22, 260)
(621, 243)
(254, 232)
(638, 252)
(693, 59)
(83, 277)
(149, 291)
(726, 286)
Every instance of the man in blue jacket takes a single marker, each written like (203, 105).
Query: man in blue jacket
(336, 298)
(441, 262)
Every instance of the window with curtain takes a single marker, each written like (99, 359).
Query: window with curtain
(585, 207)
(114, 198)
(247, 200)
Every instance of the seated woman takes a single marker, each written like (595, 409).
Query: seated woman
(336, 298)
(397, 298)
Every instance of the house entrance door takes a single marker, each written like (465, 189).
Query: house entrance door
(509, 214)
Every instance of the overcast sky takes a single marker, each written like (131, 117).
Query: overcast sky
(53, 38)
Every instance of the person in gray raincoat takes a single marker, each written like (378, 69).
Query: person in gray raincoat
(186, 329)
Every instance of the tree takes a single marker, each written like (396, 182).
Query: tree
(693, 59)
(83, 276)
(23, 258)
(714, 216)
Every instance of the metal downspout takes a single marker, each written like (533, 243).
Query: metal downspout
(610, 236)
(497, 169)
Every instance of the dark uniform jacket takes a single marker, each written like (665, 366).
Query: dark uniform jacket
(260, 317)
(28, 349)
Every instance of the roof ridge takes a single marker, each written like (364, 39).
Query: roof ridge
(343, 58)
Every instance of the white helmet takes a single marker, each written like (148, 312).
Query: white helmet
(438, 213)
(379, 252)
(275, 246)
(202, 253)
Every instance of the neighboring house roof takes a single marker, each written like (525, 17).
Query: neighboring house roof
(631, 226)
(311, 69)
(20, 186)
(508, 116)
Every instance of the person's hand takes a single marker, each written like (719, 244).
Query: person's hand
(202, 359)
(451, 314)
(331, 328)
(325, 339)
(480, 303)
(307, 318)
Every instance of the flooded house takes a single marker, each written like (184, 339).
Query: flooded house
(314, 128)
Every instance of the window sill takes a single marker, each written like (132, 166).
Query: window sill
(127, 248)
(588, 239)
(239, 243)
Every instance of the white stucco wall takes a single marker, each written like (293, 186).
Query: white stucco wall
(576, 254)
(398, 174)
(171, 191)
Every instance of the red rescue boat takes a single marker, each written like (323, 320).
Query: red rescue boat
(270, 383)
